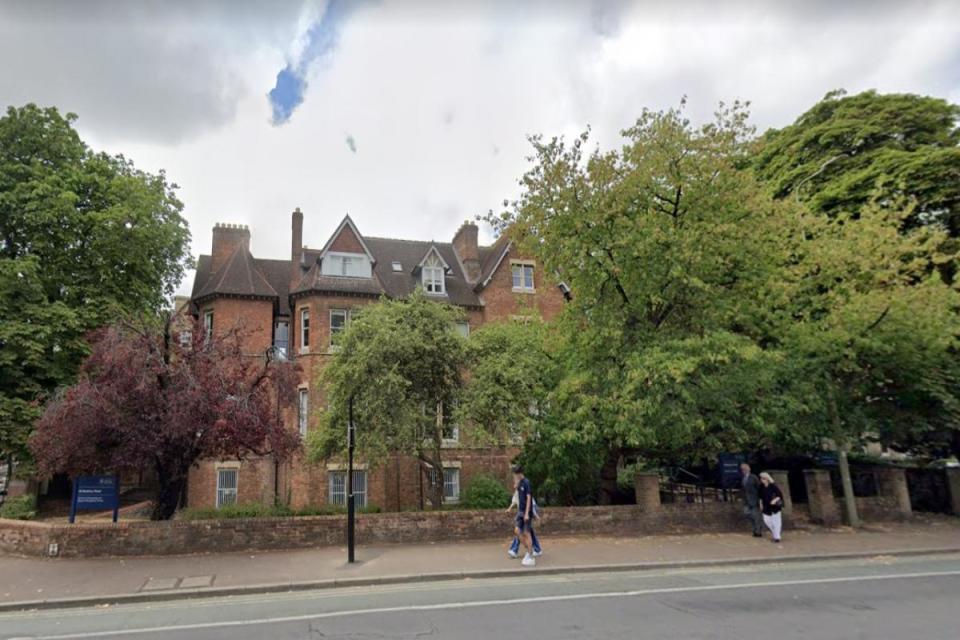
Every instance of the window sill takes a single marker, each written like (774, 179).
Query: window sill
(522, 290)
(436, 295)
(449, 444)
(304, 350)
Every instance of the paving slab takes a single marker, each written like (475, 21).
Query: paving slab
(32, 579)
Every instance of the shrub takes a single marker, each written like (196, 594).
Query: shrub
(256, 510)
(485, 492)
(22, 508)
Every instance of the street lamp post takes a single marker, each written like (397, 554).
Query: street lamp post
(350, 510)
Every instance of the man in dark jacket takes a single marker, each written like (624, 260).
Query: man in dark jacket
(750, 484)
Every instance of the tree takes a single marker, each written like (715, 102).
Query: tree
(511, 373)
(669, 248)
(873, 325)
(401, 363)
(848, 150)
(143, 401)
(84, 237)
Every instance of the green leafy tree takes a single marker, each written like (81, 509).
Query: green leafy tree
(669, 248)
(872, 331)
(84, 236)
(401, 363)
(511, 374)
(846, 150)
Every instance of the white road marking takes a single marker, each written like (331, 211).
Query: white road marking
(487, 603)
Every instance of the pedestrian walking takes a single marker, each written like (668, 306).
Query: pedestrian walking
(514, 550)
(751, 499)
(524, 515)
(771, 501)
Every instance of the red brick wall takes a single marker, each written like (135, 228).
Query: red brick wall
(226, 239)
(347, 242)
(219, 536)
(502, 303)
(254, 318)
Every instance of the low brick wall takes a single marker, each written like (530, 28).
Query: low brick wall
(210, 536)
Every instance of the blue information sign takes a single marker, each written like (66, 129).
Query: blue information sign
(95, 493)
(730, 469)
(827, 459)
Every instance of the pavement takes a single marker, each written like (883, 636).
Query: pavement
(878, 598)
(33, 583)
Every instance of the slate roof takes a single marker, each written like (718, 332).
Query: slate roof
(489, 259)
(244, 275)
(239, 275)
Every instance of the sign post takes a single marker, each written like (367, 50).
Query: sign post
(350, 509)
(95, 493)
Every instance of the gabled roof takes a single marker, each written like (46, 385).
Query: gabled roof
(399, 284)
(433, 251)
(490, 260)
(347, 222)
(238, 276)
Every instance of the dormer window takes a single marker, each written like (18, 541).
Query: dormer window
(432, 275)
(350, 265)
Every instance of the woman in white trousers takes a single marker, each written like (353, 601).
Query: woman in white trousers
(771, 501)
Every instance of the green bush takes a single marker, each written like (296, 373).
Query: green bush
(22, 508)
(485, 492)
(256, 510)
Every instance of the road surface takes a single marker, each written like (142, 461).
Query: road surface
(902, 598)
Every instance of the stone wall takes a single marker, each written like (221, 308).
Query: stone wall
(180, 537)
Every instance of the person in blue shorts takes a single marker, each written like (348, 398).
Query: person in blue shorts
(524, 516)
(514, 550)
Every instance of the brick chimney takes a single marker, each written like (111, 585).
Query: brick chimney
(226, 239)
(466, 245)
(296, 244)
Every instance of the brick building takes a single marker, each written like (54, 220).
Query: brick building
(294, 308)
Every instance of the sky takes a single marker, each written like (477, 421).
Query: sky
(413, 115)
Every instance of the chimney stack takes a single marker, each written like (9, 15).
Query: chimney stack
(296, 245)
(226, 239)
(466, 245)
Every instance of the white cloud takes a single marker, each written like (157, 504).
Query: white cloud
(437, 98)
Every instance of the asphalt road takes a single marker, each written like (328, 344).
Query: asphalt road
(902, 598)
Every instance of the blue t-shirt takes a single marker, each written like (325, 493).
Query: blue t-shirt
(523, 490)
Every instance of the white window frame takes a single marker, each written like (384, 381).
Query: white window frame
(227, 495)
(346, 323)
(303, 410)
(396, 266)
(285, 353)
(524, 268)
(337, 488)
(335, 264)
(208, 324)
(304, 329)
(432, 276)
(451, 481)
(463, 328)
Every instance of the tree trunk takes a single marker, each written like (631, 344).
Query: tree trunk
(849, 499)
(608, 476)
(170, 485)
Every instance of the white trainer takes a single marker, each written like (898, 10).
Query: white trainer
(528, 561)
(512, 554)
(537, 554)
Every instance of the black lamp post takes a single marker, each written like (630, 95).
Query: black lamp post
(350, 510)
